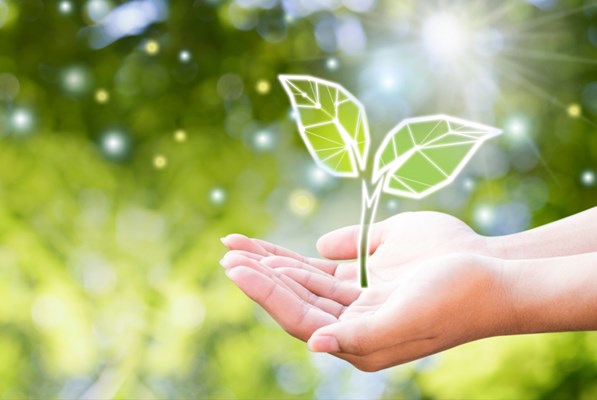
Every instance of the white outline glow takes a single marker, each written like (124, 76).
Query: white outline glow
(472, 136)
(351, 145)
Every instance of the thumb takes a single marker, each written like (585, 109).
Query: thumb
(356, 336)
(342, 244)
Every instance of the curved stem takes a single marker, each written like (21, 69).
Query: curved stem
(370, 199)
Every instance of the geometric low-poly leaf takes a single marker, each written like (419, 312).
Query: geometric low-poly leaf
(422, 155)
(332, 123)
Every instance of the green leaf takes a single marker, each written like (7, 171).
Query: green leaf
(332, 123)
(422, 155)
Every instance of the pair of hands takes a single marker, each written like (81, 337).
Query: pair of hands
(434, 285)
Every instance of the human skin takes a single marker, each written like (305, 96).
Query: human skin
(415, 236)
(425, 303)
(448, 301)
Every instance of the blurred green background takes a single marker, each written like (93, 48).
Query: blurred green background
(136, 133)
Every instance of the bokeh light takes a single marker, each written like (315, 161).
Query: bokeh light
(138, 132)
(65, 7)
(160, 161)
(262, 86)
(114, 144)
(180, 135)
(218, 195)
(151, 47)
(102, 96)
(302, 202)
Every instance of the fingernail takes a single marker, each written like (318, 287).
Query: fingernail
(323, 344)
(224, 239)
(225, 261)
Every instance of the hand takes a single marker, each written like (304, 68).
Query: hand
(448, 301)
(402, 240)
(399, 241)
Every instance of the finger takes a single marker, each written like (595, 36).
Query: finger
(280, 262)
(328, 305)
(237, 241)
(294, 315)
(342, 243)
(324, 265)
(235, 259)
(324, 286)
(347, 271)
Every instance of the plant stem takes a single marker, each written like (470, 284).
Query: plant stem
(370, 199)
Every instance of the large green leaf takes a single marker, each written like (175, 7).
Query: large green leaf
(332, 123)
(422, 155)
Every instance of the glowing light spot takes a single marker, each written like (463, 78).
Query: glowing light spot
(574, 110)
(262, 86)
(318, 176)
(302, 202)
(484, 215)
(217, 195)
(180, 136)
(102, 96)
(444, 37)
(114, 144)
(75, 79)
(65, 7)
(517, 127)
(388, 82)
(22, 120)
(263, 140)
(96, 10)
(468, 184)
(332, 63)
(392, 205)
(184, 56)
(588, 178)
(160, 161)
(152, 47)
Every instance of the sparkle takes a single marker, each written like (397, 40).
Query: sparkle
(152, 47)
(262, 86)
(180, 136)
(102, 96)
(444, 37)
(588, 178)
(392, 205)
(217, 195)
(22, 120)
(74, 79)
(114, 143)
(574, 110)
(484, 215)
(65, 7)
(332, 63)
(468, 184)
(184, 56)
(160, 161)
(263, 140)
(302, 202)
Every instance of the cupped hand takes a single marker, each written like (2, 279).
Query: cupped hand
(405, 239)
(448, 301)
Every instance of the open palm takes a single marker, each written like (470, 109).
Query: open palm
(362, 327)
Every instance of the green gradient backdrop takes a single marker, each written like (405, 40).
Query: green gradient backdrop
(109, 282)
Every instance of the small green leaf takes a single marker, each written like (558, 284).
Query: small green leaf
(422, 155)
(332, 123)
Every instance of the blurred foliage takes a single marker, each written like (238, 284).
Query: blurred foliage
(122, 164)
